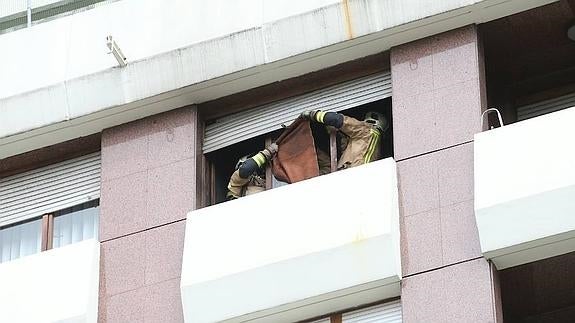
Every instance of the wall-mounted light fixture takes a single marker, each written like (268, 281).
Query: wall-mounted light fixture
(115, 49)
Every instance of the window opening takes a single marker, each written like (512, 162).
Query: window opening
(53, 230)
(76, 224)
(222, 162)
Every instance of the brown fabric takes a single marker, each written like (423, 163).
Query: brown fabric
(296, 159)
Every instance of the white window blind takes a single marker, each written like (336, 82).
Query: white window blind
(544, 107)
(20, 240)
(244, 125)
(48, 189)
(75, 227)
(384, 313)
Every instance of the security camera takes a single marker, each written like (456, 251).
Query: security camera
(115, 49)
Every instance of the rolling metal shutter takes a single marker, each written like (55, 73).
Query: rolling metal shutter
(544, 107)
(244, 125)
(383, 313)
(55, 187)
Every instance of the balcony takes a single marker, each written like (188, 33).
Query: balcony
(297, 251)
(189, 52)
(525, 189)
(59, 285)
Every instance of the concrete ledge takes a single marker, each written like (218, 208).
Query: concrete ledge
(524, 189)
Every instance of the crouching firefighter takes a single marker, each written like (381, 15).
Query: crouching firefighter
(249, 176)
(360, 143)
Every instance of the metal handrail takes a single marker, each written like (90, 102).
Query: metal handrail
(16, 14)
(498, 116)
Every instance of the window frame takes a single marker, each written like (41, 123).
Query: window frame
(211, 171)
(337, 317)
(47, 226)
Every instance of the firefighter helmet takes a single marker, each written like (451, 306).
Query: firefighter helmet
(377, 120)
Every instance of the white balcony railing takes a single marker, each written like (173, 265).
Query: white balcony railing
(59, 285)
(295, 252)
(525, 189)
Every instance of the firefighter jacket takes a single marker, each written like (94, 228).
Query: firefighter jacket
(238, 187)
(360, 144)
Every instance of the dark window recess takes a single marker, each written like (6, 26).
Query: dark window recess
(221, 163)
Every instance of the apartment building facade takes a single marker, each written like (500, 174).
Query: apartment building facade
(121, 122)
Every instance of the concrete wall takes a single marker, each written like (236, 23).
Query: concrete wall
(148, 186)
(438, 97)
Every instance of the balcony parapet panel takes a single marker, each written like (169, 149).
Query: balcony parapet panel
(297, 251)
(525, 189)
(58, 285)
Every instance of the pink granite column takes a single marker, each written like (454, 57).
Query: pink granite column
(438, 97)
(148, 186)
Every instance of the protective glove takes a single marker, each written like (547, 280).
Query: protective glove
(270, 151)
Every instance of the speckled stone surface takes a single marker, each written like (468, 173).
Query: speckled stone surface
(455, 171)
(139, 279)
(122, 265)
(437, 189)
(437, 103)
(125, 307)
(148, 173)
(171, 137)
(124, 150)
(163, 302)
(457, 293)
(421, 242)
(160, 302)
(418, 184)
(123, 205)
(437, 92)
(170, 192)
(164, 249)
(459, 235)
(148, 186)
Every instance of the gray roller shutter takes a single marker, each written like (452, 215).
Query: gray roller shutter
(55, 187)
(383, 313)
(544, 107)
(254, 122)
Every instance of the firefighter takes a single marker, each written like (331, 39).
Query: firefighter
(360, 140)
(249, 176)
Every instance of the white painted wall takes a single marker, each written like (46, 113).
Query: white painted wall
(295, 252)
(59, 285)
(75, 46)
(525, 189)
